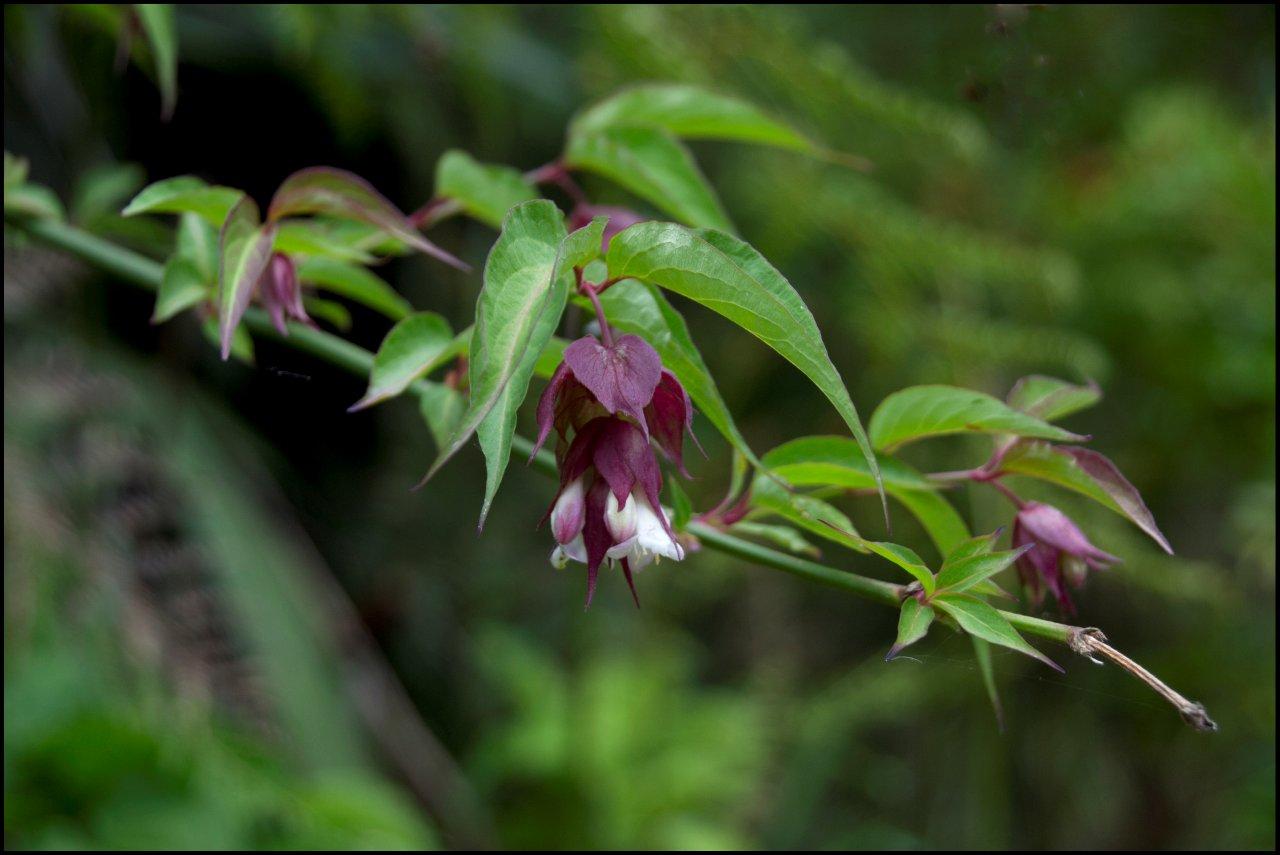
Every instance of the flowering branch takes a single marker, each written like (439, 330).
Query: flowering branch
(144, 272)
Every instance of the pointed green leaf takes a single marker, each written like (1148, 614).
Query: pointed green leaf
(728, 276)
(983, 544)
(982, 652)
(521, 285)
(913, 624)
(414, 347)
(984, 621)
(782, 536)
(808, 512)
(681, 507)
(355, 283)
(197, 242)
(337, 193)
(924, 411)
(640, 308)
(1086, 472)
(245, 250)
(485, 192)
(688, 111)
(653, 165)
(162, 37)
(441, 407)
(837, 461)
(330, 311)
(182, 287)
(306, 238)
(186, 193)
(1051, 399)
(241, 341)
(906, 559)
(32, 200)
(968, 572)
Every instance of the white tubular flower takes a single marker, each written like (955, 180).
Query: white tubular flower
(651, 540)
(574, 550)
(621, 522)
(569, 513)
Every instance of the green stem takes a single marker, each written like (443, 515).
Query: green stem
(147, 273)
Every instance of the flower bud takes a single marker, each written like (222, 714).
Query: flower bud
(569, 512)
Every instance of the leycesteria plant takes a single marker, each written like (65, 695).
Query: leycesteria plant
(620, 397)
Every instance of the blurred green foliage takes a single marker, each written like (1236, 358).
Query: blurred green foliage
(1085, 191)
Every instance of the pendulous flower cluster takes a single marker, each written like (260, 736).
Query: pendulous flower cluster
(607, 401)
(1060, 553)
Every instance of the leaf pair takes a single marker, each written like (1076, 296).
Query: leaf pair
(965, 572)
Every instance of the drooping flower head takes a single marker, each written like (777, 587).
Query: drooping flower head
(280, 292)
(1060, 553)
(607, 401)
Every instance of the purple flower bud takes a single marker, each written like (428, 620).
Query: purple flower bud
(280, 292)
(568, 513)
(1060, 553)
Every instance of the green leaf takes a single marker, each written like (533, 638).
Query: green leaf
(355, 283)
(640, 308)
(970, 571)
(518, 308)
(984, 621)
(728, 276)
(442, 408)
(982, 652)
(906, 559)
(681, 507)
(162, 37)
(197, 242)
(102, 189)
(782, 536)
(1051, 399)
(913, 624)
(485, 192)
(575, 250)
(653, 165)
(983, 544)
(808, 512)
(245, 251)
(550, 358)
(241, 342)
(329, 311)
(337, 193)
(182, 287)
(32, 200)
(837, 461)
(688, 111)
(1086, 472)
(312, 238)
(414, 346)
(925, 411)
(186, 193)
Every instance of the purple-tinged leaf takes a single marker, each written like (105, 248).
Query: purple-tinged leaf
(622, 377)
(244, 253)
(1086, 472)
(913, 625)
(1124, 494)
(1050, 399)
(337, 193)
